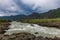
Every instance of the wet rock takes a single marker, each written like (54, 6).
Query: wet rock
(48, 38)
(56, 38)
(39, 38)
(1, 35)
(32, 25)
(25, 36)
(5, 37)
(12, 36)
(36, 33)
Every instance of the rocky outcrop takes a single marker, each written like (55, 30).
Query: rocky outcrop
(24, 36)
(3, 27)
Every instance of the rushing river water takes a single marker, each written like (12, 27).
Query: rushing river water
(17, 27)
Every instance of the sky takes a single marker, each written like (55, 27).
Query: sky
(16, 7)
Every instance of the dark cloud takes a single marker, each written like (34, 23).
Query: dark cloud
(14, 7)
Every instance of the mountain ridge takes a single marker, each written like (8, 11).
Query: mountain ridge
(55, 13)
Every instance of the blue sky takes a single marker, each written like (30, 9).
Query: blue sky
(15, 7)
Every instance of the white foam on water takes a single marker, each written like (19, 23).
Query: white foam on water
(17, 27)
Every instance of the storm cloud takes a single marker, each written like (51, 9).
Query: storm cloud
(15, 7)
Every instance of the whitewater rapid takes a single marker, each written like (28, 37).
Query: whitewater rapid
(17, 27)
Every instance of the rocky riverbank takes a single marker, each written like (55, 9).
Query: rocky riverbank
(4, 26)
(24, 36)
(52, 24)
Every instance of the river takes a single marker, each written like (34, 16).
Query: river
(17, 27)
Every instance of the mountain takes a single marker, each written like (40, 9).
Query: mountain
(55, 13)
(34, 15)
(17, 17)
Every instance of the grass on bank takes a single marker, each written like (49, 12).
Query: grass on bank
(41, 20)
